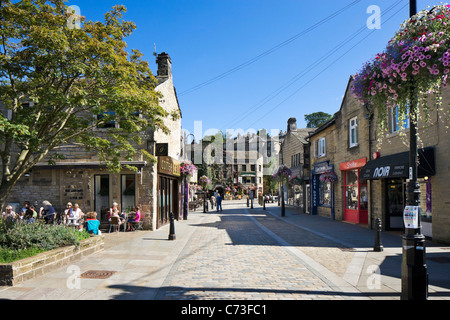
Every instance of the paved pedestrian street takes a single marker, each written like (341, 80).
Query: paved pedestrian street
(241, 254)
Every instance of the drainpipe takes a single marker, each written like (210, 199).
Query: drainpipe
(370, 118)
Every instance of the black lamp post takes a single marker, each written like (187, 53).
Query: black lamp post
(414, 268)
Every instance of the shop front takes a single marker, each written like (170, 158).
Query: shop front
(355, 192)
(393, 171)
(169, 190)
(322, 192)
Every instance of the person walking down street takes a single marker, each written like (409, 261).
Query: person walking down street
(219, 202)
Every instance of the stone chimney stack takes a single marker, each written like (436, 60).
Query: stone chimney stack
(164, 67)
(292, 124)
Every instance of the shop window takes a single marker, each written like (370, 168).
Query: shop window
(351, 189)
(325, 194)
(425, 201)
(363, 198)
(353, 132)
(128, 186)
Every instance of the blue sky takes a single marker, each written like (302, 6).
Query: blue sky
(274, 59)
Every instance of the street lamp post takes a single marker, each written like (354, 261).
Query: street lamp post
(414, 269)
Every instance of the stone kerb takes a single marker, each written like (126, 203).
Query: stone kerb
(19, 271)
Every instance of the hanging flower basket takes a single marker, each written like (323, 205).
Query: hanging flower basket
(282, 173)
(195, 187)
(187, 169)
(204, 181)
(296, 180)
(328, 176)
(416, 58)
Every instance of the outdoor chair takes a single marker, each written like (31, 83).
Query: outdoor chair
(137, 225)
(114, 222)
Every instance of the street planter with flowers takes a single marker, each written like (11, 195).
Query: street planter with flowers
(415, 63)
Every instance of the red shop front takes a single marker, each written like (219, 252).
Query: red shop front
(355, 192)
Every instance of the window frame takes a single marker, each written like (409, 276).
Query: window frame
(353, 128)
(321, 147)
(395, 124)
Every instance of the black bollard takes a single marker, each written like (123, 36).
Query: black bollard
(172, 235)
(378, 247)
(264, 204)
(248, 202)
(251, 203)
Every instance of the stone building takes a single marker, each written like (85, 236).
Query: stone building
(294, 153)
(241, 160)
(387, 172)
(81, 178)
(323, 160)
(372, 170)
(353, 143)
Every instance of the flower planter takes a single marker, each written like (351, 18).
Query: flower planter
(21, 270)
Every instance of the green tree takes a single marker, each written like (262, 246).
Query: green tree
(316, 119)
(78, 77)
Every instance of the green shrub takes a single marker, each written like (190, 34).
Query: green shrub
(18, 239)
(8, 255)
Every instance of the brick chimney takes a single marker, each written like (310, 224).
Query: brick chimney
(292, 124)
(164, 67)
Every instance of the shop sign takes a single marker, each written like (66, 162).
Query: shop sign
(162, 149)
(353, 164)
(169, 166)
(411, 217)
(322, 167)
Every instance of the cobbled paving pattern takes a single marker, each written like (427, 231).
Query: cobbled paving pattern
(229, 257)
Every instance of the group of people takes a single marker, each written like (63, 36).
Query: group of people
(133, 217)
(29, 214)
(72, 215)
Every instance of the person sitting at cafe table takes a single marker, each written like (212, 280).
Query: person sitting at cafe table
(114, 212)
(26, 206)
(48, 212)
(67, 212)
(9, 213)
(134, 217)
(30, 215)
(92, 224)
(76, 215)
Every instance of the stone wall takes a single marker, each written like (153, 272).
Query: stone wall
(16, 272)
